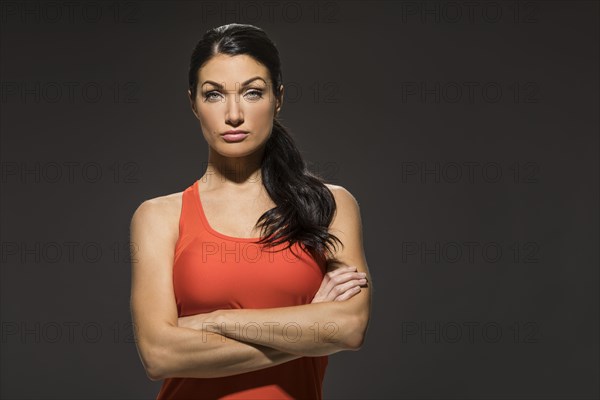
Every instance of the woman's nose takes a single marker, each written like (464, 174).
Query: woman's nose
(234, 110)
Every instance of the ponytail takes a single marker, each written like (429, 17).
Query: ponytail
(305, 206)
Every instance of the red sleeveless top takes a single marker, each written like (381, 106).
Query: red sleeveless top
(216, 271)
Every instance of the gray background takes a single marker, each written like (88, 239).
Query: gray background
(95, 120)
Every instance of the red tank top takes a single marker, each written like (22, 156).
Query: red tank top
(216, 271)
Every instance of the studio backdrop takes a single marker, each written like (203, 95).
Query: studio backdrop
(467, 132)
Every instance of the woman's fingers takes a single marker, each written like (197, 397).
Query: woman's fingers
(340, 284)
(348, 294)
(343, 284)
(345, 277)
(338, 281)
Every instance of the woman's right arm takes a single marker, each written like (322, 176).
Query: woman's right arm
(165, 349)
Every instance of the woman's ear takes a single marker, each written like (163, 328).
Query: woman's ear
(279, 101)
(192, 103)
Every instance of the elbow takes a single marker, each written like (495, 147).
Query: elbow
(154, 375)
(153, 362)
(354, 342)
(357, 332)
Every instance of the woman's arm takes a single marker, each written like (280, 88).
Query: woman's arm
(165, 349)
(309, 329)
(339, 284)
(305, 330)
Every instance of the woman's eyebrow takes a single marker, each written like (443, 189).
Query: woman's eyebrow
(245, 83)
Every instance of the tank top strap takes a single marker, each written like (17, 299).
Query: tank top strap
(190, 225)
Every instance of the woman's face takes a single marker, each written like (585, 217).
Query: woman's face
(234, 93)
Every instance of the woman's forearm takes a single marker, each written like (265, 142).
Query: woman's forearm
(306, 330)
(189, 353)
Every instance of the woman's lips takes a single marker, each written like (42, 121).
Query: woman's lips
(234, 137)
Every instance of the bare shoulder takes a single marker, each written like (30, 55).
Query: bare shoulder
(338, 189)
(346, 204)
(160, 212)
(343, 197)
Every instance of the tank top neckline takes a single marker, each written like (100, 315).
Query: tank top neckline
(198, 202)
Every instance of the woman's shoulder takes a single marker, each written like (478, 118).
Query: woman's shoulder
(159, 212)
(347, 207)
(341, 194)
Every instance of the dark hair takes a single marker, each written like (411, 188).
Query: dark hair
(304, 205)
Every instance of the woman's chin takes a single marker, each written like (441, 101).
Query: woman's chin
(235, 150)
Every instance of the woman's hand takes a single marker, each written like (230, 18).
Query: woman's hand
(340, 284)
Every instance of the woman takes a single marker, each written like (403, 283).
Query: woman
(223, 309)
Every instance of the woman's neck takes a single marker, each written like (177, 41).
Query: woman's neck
(233, 172)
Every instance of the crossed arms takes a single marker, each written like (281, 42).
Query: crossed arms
(230, 342)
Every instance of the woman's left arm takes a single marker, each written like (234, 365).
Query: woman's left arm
(310, 329)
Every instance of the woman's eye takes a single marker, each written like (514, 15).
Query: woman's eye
(255, 93)
(210, 95)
